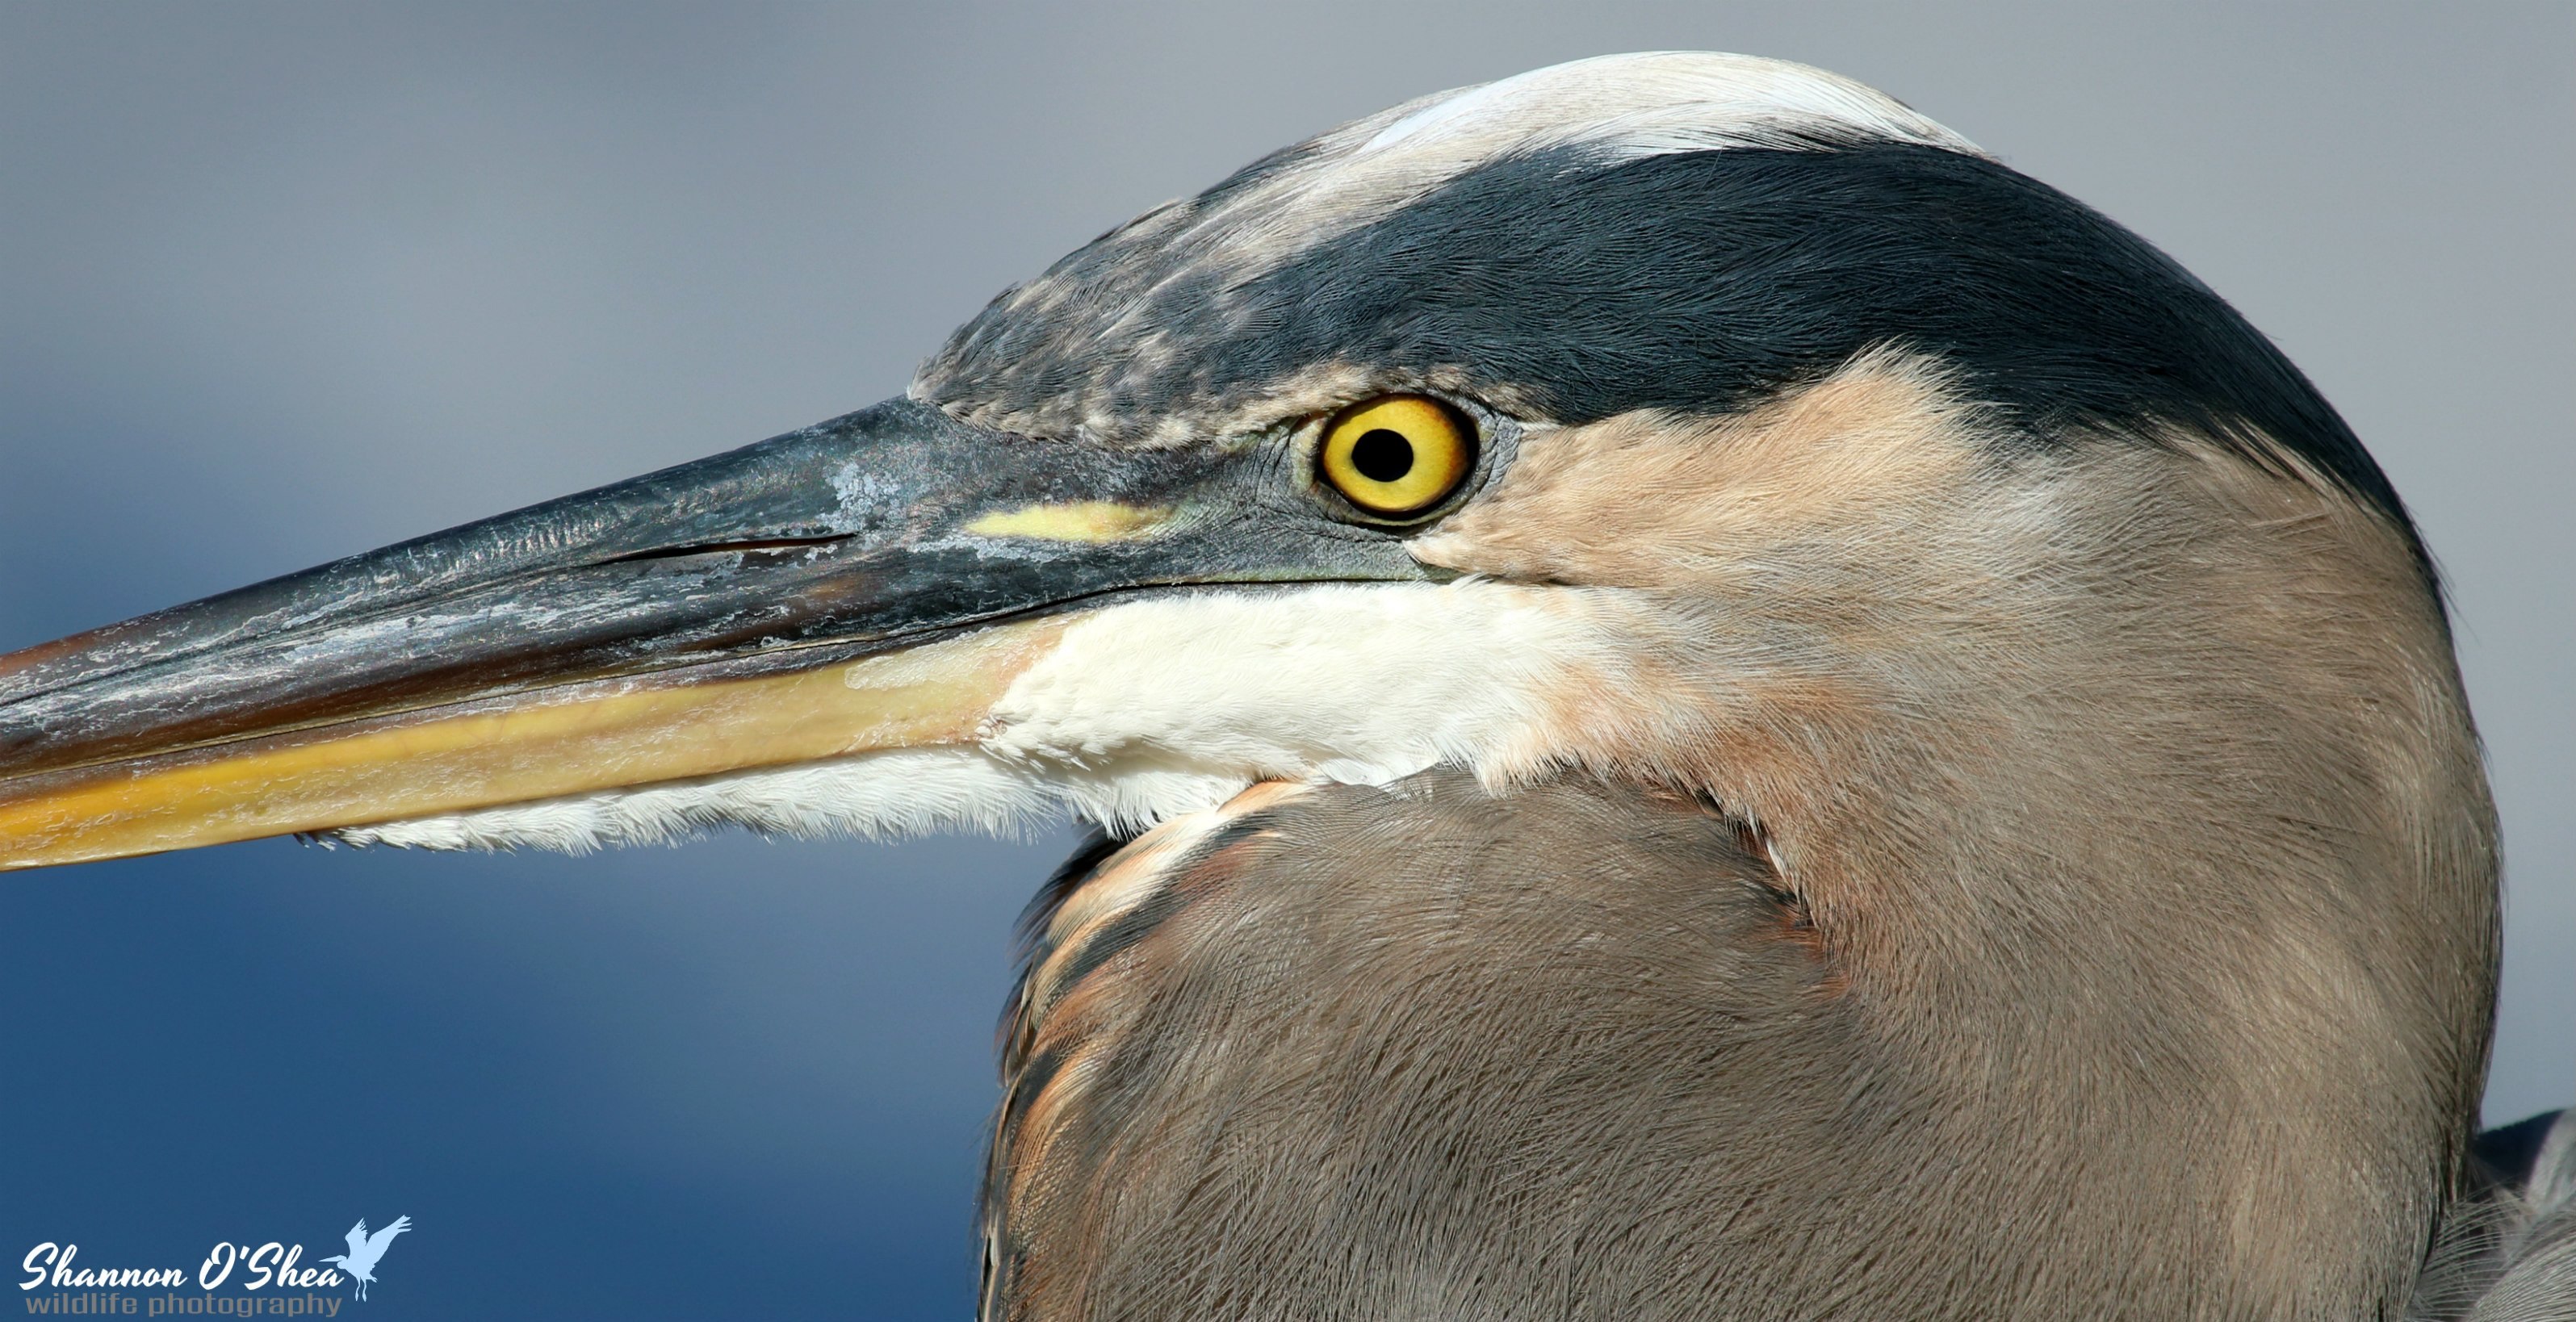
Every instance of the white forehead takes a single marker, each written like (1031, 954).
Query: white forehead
(1650, 104)
(1071, 352)
(1619, 107)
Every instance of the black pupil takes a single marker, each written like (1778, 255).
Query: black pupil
(1382, 455)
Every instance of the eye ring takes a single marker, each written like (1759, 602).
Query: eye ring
(1397, 455)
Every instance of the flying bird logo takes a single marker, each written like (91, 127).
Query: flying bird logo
(365, 1249)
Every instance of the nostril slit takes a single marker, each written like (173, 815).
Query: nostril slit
(746, 546)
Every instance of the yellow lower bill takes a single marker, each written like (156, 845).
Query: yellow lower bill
(539, 745)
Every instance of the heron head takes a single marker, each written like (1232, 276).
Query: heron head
(1702, 421)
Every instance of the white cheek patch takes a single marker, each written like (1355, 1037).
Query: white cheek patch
(1144, 711)
(1364, 684)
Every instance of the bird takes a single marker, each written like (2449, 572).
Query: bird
(365, 1249)
(1696, 700)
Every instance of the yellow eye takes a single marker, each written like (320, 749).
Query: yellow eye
(1399, 455)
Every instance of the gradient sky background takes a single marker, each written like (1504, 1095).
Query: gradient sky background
(279, 283)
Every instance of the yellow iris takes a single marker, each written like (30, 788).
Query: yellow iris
(1398, 455)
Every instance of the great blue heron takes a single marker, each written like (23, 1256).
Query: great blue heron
(1702, 702)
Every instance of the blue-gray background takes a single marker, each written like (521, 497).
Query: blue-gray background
(281, 283)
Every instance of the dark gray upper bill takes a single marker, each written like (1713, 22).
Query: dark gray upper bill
(843, 538)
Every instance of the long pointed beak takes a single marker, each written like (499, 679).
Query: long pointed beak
(871, 582)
